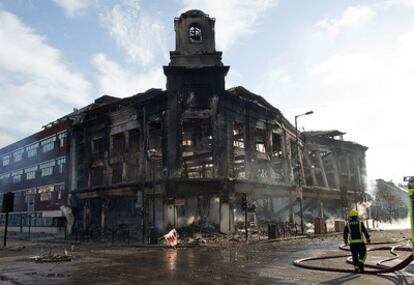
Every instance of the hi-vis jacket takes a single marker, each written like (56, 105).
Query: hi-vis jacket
(354, 229)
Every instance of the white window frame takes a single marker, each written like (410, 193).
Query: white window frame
(47, 168)
(48, 144)
(30, 172)
(6, 160)
(62, 136)
(32, 150)
(17, 176)
(61, 162)
(18, 155)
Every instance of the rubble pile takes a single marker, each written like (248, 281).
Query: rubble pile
(201, 233)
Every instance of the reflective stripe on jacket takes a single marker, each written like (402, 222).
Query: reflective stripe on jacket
(355, 230)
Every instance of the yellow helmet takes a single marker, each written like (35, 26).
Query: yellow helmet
(353, 213)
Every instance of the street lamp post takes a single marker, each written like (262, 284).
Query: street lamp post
(299, 165)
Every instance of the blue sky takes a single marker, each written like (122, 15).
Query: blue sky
(351, 62)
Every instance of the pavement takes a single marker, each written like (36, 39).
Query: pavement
(263, 262)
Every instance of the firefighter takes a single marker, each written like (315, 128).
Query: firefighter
(354, 229)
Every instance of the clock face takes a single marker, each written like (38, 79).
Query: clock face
(195, 34)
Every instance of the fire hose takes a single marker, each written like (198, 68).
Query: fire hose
(378, 268)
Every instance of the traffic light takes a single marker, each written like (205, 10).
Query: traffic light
(8, 201)
(244, 201)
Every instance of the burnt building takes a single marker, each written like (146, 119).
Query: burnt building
(35, 170)
(330, 162)
(181, 156)
(185, 155)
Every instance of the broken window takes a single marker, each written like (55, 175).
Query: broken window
(195, 33)
(132, 172)
(197, 148)
(133, 141)
(154, 143)
(99, 148)
(117, 173)
(276, 145)
(238, 135)
(118, 144)
(260, 137)
(239, 153)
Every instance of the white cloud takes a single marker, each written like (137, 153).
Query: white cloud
(36, 86)
(117, 81)
(74, 7)
(235, 18)
(352, 18)
(362, 85)
(389, 3)
(369, 95)
(140, 34)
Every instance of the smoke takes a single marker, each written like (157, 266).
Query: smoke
(399, 224)
(363, 209)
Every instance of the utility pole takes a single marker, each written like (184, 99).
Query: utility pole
(299, 173)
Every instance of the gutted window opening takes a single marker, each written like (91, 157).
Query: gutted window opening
(133, 141)
(97, 176)
(195, 33)
(118, 144)
(277, 150)
(98, 149)
(154, 143)
(239, 152)
(197, 149)
(133, 160)
(117, 173)
(260, 137)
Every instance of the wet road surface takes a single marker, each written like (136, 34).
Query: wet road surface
(260, 263)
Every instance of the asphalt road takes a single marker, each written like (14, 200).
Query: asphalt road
(235, 263)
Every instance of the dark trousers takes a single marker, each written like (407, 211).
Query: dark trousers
(359, 254)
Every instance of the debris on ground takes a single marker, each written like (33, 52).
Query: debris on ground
(52, 257)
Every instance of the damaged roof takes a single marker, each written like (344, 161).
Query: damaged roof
(251, 97)
(327, 133)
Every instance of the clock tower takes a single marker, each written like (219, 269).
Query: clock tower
(195, 84)
(195, 67)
